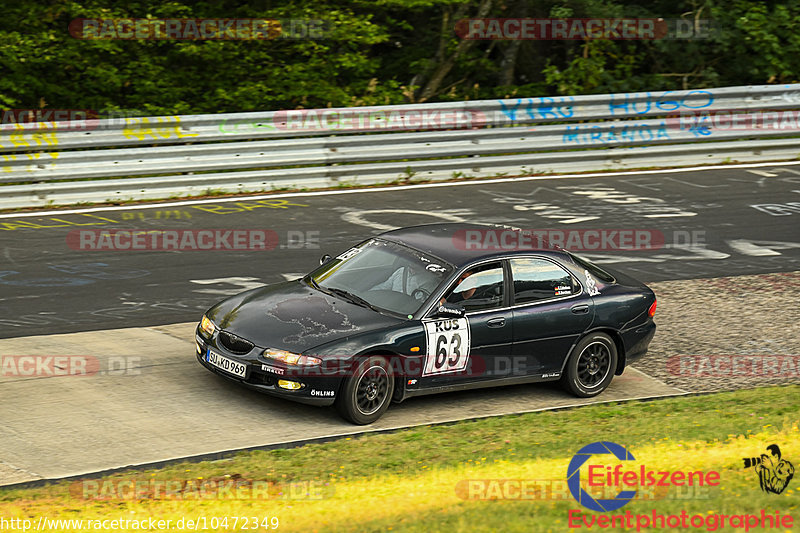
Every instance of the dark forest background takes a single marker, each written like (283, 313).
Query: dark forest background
(378, 52)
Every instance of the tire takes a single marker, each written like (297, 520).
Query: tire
(366, 394)
(591, 365)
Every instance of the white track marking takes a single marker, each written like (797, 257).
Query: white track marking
(240, 285)
(360, 217)
(763, 173)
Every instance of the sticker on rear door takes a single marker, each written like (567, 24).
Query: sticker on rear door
(448, 342)
(591, 284)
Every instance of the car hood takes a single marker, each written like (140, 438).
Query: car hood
(293, 316)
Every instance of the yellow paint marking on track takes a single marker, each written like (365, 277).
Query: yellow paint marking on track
(159, 214)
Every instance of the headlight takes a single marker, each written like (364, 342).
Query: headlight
(290, 357)
(207, 327)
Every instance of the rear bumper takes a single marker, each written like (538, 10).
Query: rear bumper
(637, 341)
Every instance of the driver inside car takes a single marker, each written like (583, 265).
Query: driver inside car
(462, 291)
(407, 280)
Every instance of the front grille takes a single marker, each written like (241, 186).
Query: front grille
(235, 344)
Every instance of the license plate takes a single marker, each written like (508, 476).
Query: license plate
(228, 365)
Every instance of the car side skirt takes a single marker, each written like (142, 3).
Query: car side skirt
(502, 382)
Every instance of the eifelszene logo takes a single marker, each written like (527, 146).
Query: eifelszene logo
(574, 476)
(774, 473)
(602, 475)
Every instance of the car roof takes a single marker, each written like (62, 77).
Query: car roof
(448, 241)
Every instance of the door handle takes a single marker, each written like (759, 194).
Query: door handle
(496, 322)
(580, 309)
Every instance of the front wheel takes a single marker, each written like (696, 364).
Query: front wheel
(366, 394)
(591, 366)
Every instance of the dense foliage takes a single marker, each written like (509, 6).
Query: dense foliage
(377, 52)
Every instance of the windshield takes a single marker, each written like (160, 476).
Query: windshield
(383, 274)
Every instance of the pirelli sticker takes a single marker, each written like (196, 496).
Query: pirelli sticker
(448, 343)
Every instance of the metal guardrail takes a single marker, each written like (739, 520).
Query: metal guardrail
(159, 157)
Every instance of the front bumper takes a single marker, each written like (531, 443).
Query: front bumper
(316, 389)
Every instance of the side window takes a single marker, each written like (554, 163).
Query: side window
(478, 288)
(539, 279)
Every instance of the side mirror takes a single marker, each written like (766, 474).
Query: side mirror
(448, 310)
(324, 259)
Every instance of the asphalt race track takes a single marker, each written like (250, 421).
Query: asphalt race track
(163, 405)
(48, 287)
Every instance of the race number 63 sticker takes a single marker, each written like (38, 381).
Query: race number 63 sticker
(448, 345)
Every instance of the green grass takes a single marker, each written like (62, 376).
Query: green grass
(407, 480)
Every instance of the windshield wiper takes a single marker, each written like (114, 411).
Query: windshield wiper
(311, 281)
(352, 297)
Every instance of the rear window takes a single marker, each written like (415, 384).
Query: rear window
(593, 269)
(539, 279)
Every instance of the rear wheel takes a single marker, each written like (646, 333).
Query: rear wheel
(591, 366)
(366, 394)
